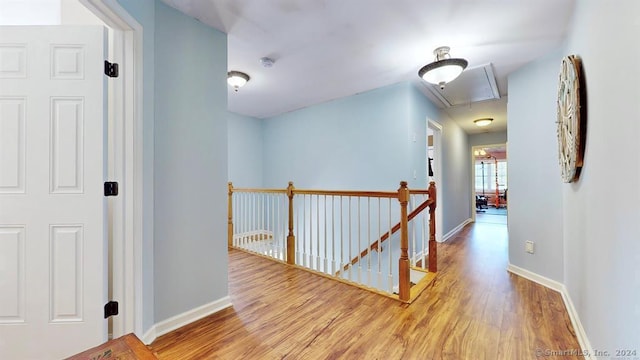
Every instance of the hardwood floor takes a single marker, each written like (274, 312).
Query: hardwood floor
(475, 309)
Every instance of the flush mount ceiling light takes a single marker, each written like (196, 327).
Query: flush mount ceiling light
(237, 79)
(480, 152)
(444, 69)
(483, 122)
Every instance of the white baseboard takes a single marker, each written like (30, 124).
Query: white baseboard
(581, 335)
(149, 336)
(185, 318)
(577, 325)
(450, 234)
(536, 278)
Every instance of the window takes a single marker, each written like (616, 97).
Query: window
(488, 181)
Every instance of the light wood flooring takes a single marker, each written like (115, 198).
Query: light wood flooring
(474, 310)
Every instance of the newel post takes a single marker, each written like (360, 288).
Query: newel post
(403, 264)
(230, 217)
(291, 239)
(433, 247)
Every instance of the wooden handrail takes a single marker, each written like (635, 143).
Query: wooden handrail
(378, 194)
(271, 191)
(374, 245)
(419, 192)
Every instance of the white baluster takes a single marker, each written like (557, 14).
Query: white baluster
(326, 263)
(299, 249)
(260, 219)
(379, 255)
(390, 250)
(333, 234)
(424, 252)
(350, 257)
(270, 228)
(243, 217)
(318, 233)
(413, 251)
(369, 280)
(304, 231)
(341, 240)
(359, 246)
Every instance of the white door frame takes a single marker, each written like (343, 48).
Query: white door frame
(473, 175)
(436, 127)
(126, 101)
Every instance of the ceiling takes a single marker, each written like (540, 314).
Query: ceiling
(328, 49)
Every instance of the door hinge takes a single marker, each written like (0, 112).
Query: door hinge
(110, 309)
(110, 69)
(111, 188)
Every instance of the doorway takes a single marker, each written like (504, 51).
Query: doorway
(434, 168)
(489, 185)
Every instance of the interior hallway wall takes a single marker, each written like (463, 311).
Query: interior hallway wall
(535, 189)
(601, 210)
(190, 248)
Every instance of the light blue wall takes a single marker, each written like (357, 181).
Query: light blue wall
(535, 188)
(593, 222)
(366, 142)
(245, 150)
(456, 159)
(144, 12)
(190, 250)
(490, 138)
(358, 142)
(602, 210)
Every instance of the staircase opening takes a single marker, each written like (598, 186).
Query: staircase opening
(383, 242)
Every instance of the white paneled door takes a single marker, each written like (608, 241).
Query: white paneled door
(52, 209)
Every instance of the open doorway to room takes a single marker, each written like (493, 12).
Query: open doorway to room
(434, 167)
(489, 187)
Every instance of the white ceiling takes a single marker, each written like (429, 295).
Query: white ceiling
(328, 49)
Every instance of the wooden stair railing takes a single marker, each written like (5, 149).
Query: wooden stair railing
(287, 252)
(374, 245)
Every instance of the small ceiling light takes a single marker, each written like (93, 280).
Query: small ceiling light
(444, 69)
(483, 122)
(237, 79)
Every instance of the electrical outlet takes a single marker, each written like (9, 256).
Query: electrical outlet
(528, 247)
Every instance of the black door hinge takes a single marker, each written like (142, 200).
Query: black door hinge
(111, 188)
(110, 309)
(110, 69)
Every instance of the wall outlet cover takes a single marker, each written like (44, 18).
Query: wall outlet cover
(528, 247)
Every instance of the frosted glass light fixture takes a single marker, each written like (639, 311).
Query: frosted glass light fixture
(444, 69)
(483, 122)
(237, 79)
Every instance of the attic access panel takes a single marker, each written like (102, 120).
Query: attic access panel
(473, 85)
